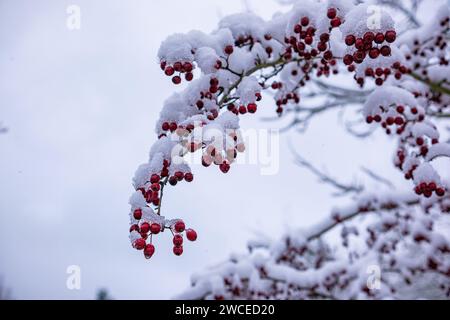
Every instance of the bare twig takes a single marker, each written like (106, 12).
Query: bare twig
(323, 177)
(377, 177)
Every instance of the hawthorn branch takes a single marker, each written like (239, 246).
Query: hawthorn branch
(434, 86)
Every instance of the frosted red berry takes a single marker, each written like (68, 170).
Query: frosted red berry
(137, 214)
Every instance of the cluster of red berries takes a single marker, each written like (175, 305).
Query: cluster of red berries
(370, 44)
(284, 98)
(169, 126)
(423, 147)
(427, 189)
(152, 192)
(248, 40)
(215, 157)
(380, 75)
(212, 155)
(179, 176)
(177, 69)
(303, 41)
(388, 118)
(423, 48)
(210, 94)
(335, 21)
(242, 109)
(147, 230)
(302, 44)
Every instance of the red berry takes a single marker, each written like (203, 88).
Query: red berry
(155, 187)
(163, 65)
(423, 150)
(178, 251)
(177, 240)
(390, 36)
(359, 44)
(348, 59)
(440, 192)
(179, 175)
(308, 40)
(331, 13)
(176, 80)
(224, 167)
(179, 226)
(213, 89)
(350, 40)
(137, 214)
(369, 72)
(155, 228)
(165, 126)
(322, 46)
(149, 250)
(191, 235)
(178, 66)
(139, 244)
(374, 53)
(169, 71)
(188, 177)
(187, 67)
(229, 50)
(154, 178)
(134, 227)
(214, 82)
(368, 37)
(336, 22)
(419, 141)
(242, 110)
(432, 186)
(379, 38)
(399, 121)
(328, 55)
(400, 109)
(251, 107)
(173, 181)
(189, 76)
(173, 126)
(199, 104)
(304, 21)
(145, 227)
(385, 51)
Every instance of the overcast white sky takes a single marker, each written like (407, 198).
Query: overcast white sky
(81, 107)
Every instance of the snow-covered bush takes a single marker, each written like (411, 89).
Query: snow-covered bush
(406, 88)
